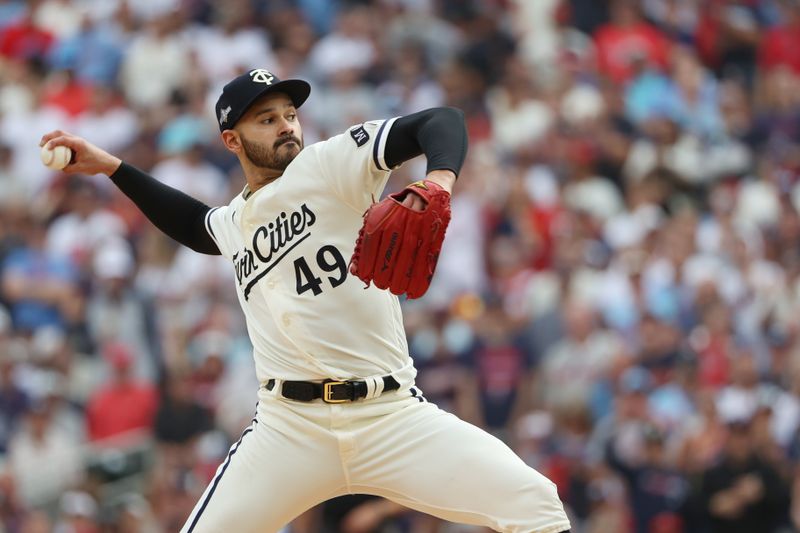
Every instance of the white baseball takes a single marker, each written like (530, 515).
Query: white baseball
(57, 158)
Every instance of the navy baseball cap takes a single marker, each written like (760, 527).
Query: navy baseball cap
(240, 93)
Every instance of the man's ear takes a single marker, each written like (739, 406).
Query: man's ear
(232, 141)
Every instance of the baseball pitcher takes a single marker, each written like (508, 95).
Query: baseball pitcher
(318, 267)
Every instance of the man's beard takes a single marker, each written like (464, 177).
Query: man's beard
(263, 157)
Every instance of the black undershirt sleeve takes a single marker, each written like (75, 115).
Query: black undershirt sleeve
(439, 133)
(177, 214)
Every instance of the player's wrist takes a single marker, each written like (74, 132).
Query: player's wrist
(444, 178)
(111, 165)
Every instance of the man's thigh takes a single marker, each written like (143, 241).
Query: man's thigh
(281, 467)
(432, 461)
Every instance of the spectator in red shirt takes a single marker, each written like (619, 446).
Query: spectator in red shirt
(628, 39)
(67, 93)
(24, 40)
(781, 44)
(727, 36)
(124, 404)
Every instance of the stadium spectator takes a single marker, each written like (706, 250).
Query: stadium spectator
(779, 46)
(119, 311)
(743, 493)
(44, 459)
(628, 42)
(156, 63)
(84, 226)
(180, 418)
(124, 405)
(41, 287)
(24, 39)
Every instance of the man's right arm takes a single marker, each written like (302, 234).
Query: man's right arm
(176, 214)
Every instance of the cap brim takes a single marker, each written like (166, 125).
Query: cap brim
(297, 90)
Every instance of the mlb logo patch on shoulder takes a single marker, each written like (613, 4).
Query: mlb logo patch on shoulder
(359, 135)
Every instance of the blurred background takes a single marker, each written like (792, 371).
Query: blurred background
(617, 297)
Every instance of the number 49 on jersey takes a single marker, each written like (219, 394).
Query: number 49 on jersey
(329, 259)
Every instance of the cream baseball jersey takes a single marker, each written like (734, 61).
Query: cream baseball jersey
(290, 243)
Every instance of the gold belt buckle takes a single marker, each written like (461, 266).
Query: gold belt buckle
(327, 392)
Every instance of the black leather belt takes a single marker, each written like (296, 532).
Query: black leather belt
(330, 391)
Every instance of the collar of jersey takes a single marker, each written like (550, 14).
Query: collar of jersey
(246, 192)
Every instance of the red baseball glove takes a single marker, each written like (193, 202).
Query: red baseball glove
(397, 247)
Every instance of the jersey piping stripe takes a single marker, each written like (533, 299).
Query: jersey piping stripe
(209, 229)
(415, 394)
(218, 477)
(253, 281)
(375, 158)
(380, 144)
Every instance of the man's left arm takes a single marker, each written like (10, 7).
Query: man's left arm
(399, 242)
(439, 133)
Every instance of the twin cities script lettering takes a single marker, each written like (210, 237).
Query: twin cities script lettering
(278, 237)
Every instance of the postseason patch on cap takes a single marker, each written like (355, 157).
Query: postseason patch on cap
(359, 135)
(223, 115)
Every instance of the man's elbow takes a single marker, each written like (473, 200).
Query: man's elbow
(450, 113)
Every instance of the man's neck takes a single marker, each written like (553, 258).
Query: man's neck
(259, 177)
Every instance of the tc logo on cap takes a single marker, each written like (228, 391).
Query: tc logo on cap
(261, 75)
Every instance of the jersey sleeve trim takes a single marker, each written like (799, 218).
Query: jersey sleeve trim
(208, 224)
(379, 145)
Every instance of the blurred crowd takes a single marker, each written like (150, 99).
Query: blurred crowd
(617, 296)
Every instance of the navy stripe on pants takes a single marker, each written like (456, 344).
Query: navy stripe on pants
(218, 477)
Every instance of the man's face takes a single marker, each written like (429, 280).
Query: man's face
(270, 132)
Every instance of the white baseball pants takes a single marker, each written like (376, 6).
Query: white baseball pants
(296, 455)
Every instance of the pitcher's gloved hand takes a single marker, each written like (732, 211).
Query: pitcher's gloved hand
(397, 246)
